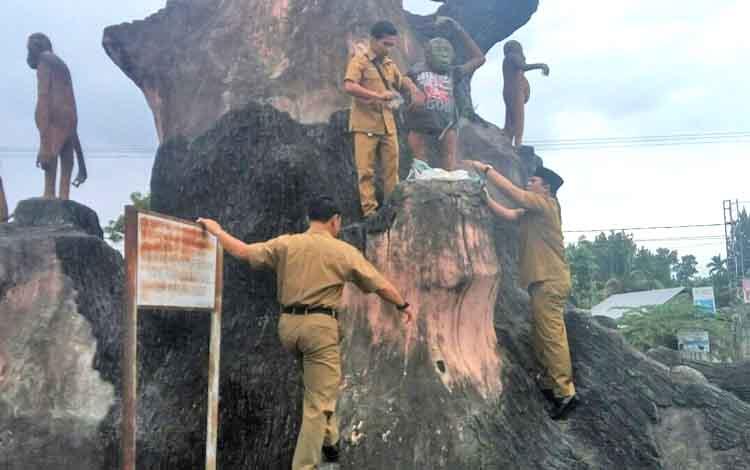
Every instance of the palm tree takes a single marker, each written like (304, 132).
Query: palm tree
(717, 267)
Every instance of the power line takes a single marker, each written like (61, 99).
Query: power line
(675, 239)
(643, 228)
(642, 138)
(705, 138)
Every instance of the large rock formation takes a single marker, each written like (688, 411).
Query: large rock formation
(442, 371)
(732, 377)
(196, 60)
(60, 302)
(453, 391)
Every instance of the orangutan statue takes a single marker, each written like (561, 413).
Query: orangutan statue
(516, 89)
(438, 78)
(56, 118)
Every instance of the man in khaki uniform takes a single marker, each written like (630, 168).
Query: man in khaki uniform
(544, 273)
(373, 80)
(311, 270)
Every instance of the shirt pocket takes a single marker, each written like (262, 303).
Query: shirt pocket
(371, 78)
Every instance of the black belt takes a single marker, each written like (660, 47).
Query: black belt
(307, 310)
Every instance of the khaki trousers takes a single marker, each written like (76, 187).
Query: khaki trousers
(549, 336)
(315, 338)
(368, 148)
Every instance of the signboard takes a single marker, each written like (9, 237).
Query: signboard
(746, 290)
(171, 264)
(697, 341)
(703, 298)
(176, 264)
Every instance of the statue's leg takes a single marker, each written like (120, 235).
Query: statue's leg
(3, 203)
(518, 118)
(508, 127)
(50, 176)
(417, 145)
(66, 169)
(449, 149)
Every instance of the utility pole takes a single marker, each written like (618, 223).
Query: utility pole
(730, 237)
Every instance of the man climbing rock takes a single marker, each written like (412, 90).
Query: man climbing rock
(438, 78)
(311, 270)
(544, 273)
(374, 80)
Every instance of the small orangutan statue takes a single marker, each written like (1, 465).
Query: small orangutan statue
(516, 89)
(56, 118)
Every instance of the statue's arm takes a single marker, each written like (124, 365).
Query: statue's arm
(43, 103)
(477, 57)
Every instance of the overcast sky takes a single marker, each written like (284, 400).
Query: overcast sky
(619, 68)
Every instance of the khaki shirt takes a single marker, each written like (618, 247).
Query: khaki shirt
(312, 268)
(371, 115)
(542, 250)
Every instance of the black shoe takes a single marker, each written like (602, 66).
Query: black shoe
(564, 406)
(549, 395)
(331, 453)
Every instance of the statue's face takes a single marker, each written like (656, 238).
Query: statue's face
(440, 55)
(37, 44)
(33, 56)
(513, 47)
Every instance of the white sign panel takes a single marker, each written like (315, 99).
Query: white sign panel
(703, 298)
(746, 290)
(176, 264)
(697, 341)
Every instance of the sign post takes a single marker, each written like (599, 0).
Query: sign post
(171, 264)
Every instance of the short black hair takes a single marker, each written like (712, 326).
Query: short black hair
(322, 208)
(382, 29)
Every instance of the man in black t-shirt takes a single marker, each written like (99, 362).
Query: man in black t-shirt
(438, 78)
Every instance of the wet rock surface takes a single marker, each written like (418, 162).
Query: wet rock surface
(60, 303)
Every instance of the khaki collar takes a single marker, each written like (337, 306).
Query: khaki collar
(371, 56)
(325, 233)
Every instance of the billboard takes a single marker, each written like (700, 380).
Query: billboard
(696, 341)
(703, 298)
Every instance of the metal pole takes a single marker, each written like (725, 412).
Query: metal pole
(130, 341)
(214, 363)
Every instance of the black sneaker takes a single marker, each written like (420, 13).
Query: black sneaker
(331, 453)
(564, 406)
(549, 395)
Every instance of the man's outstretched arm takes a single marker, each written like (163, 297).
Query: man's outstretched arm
(495, 177)
(502, 211)
(259, 255)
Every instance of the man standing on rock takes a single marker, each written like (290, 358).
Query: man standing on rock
(374, 82)
(544, 273)
(311, 270)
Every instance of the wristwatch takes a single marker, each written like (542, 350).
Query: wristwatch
(487, 169)
(401, 308)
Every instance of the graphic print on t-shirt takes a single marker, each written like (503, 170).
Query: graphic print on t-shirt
(438, 90)
(439, 110)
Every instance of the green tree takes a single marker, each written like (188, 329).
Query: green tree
(685, 270)
(649, 327)
(583, 270)
(115, 230)
(719, 277)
